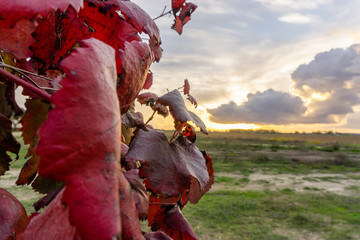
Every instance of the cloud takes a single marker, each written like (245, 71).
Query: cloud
(297, 18)
(334, 76)
(327, 90)
(268, 107)
(291, 4)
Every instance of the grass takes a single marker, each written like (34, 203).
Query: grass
(268, 214)
(262, 215)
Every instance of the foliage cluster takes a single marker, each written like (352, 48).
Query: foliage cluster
(82, 64)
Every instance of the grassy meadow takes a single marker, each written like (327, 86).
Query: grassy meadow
(267, 186)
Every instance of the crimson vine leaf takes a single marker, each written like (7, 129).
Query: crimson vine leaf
(139, 193)
(183, 17)
(106, 25)
(13, 218)
(35, 115)
(186, 87)
(195, 196)
(12, 11)
(5, 107)
(7, 143)
(130, 224)
(82, 149)
(52, 223)
(17, 39)
(173, 223)
(176, 5)
(149, 81)
(192, 100)
(136, 60)
(157, 236)
(45, 34)
(147, 98)
(178, 109)
(167, 167)
(143, 23)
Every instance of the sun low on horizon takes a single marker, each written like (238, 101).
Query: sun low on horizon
(261, 64)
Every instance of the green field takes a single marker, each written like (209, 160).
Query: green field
(268, 186)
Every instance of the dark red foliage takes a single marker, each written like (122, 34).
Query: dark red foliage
(52, 223)
(12, 11)
(35, 115)
(186, 87)
(17, 39)
(184, 16)
(130, 225)
(7, 143)
(147, 98)
(195, 196)
(149, 81)
(176, 5)
(139, 193)
(81, 148)
(45, 35)
(136, 60)
(173, 223)
(178, 109)
(157, 236)
(167, 167)
(13, 216)
(143, 23)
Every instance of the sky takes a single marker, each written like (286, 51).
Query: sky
(286, 65)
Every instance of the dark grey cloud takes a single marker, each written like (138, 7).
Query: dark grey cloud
(330, 82)
(269, 107)
(334, 74)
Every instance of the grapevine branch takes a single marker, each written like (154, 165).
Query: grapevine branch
(39, 92)
(163, 14)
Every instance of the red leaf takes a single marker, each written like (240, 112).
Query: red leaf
(13, 216)
(82, 148)
(17, 39)
(130, 224)
(166, 167)
(139, 193)
(147, 98)
(174, 224)
(143, 23)
(183, 17)
(108, 26)
(186, 86)
(178, 110)
(149, 81)
(136, 59)
(196, 194)
(7, 143)
(52, 223)
(45, 35)
(176, 5)
(192, 100)
(12, 11)
(160, 109)
(157, 236)
(35, 115)
(131, 120)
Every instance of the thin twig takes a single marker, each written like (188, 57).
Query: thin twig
(37, 91)
(150, 118)
(163, 13)
(24, 71)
